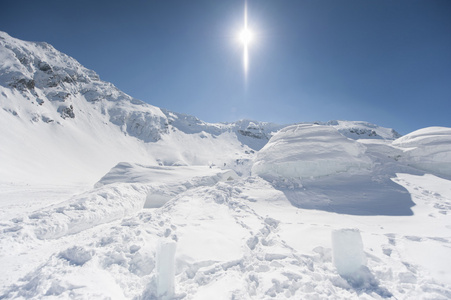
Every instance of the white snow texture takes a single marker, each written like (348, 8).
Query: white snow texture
(304, 151)
(428, 149)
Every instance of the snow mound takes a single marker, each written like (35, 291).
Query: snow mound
(164, 183)
(427, 149)
(304, 151)
(125, 172)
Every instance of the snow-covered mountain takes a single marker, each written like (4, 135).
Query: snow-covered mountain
(105, 196)
(57, 109)
(49, 99)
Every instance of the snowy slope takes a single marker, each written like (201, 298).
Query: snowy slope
(103, 196)
(57, 111)
(62, 113)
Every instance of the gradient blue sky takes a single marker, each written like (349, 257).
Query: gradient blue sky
(383, 61)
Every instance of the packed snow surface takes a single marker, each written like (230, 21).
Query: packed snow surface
(103, 196)
(304, 151)
(235, 239)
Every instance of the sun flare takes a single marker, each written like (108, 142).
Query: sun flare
(246, 37)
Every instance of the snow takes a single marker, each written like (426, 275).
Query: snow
(129, 201)
(362, 130)
(304, 151)
(427, 149)
(290, 256)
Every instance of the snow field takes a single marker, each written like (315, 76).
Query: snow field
(115, 199)
(388, 242)
(244, 239)
(105, 242)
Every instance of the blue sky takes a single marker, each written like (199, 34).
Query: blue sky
(386, 61)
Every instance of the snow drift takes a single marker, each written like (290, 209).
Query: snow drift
(304, 151)
(123, 192)
(427, 149)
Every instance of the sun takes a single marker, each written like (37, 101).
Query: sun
(246, 36)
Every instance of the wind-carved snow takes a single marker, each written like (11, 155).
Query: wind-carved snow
(304, 151)
(318, 168)
(427, 149)
(164, 183)
(123, 192)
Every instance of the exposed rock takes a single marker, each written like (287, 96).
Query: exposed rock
(66, 112)
(23, 84)
(44, 67)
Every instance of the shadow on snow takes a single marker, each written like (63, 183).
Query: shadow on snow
(352, 194)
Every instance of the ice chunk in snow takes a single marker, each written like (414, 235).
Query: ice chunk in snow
(427, 149)
(350, 260)
(166, 269)
(303, 151)
(347, 251)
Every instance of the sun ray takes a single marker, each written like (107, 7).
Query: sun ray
(246, 38)
(245, 59)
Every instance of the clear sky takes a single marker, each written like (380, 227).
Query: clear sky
(383, 61)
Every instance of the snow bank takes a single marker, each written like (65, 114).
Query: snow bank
(164, 183)
(87, 210)
(125, 172)
(427, 149)
(123, 192)
(303, 151)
